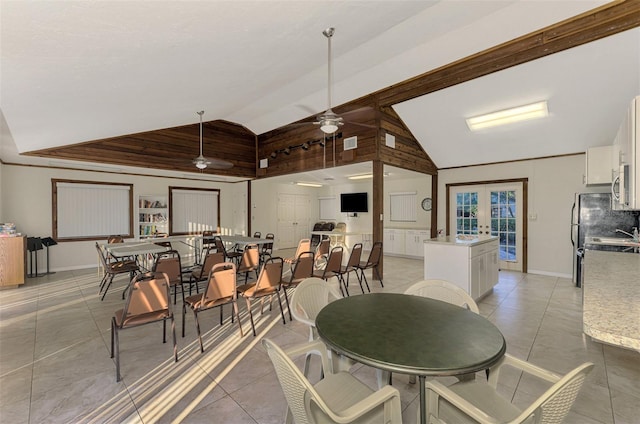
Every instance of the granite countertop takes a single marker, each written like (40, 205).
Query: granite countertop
(611, 298)
(462, 240)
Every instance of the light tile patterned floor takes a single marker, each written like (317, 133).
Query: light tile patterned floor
(55, 365)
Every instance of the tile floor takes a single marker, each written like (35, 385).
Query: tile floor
(55, 365)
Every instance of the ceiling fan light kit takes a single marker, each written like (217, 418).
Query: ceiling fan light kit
(201, 162)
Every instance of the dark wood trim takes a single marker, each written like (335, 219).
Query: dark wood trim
(249, 210)
(525, 210)
(434, 204)
(513, 161)
(54, 209)
(609, 19)
(377, 224)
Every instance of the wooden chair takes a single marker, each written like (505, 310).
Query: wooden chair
(220, 290)
(148, 301)
(267, 284)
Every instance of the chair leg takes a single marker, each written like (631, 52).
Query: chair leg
(164, 330)
(104, 293)
(253, 327)
(195, 314)
(173, 332)
(284, 321)
(113, 326)
(235, 309)
(184, 313)
(221, 315)
(286, 298)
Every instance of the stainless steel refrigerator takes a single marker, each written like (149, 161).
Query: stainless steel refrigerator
(592, 216)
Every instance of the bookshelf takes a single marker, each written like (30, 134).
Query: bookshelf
(153, 215)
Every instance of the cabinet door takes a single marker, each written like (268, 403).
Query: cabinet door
(398, 242)
(478, 273)
(492, 271)
(411, 243)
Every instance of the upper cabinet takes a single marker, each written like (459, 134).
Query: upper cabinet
(598, 165)
(625, 156)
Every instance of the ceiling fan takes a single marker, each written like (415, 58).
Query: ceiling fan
(201, 162)
(329, 121)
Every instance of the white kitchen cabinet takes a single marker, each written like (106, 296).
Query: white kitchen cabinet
(598, 165)
(470, 264)
(414, 242)
(393, 241)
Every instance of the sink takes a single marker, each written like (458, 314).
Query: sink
(615, 241)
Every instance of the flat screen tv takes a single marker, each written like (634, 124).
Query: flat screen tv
(353, 202)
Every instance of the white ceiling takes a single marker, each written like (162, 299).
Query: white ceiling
(78, 71)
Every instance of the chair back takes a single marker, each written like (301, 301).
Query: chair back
(374, 255)
(169, 263)
(268, 247)
(217, 241)
(250, 258)
(323, 248)
(444, 291)
(304, 245)
(148, 294)
(270, 274)
(257, 234)
(311, 295)
(221, 284)
(210, 261)
(553, 405)
(102, 256)
(297, 389)
(354, 258)
(303, 267)
(341, 227)
(206, 242)
(328, 226)
(334, 262)
(115, 239)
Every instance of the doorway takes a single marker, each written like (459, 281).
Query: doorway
(293, 219)
(496, 209)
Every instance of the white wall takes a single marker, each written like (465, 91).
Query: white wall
(26, 201)
(421, 184)
(553, 183)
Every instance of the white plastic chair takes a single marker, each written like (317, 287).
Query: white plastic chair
(444, 291)
(337, 398)
(480, 402)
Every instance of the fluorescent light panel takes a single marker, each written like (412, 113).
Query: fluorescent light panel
(305, 184)
(508, 116)
(360, 176)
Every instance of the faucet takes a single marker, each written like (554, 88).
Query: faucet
(634, 236)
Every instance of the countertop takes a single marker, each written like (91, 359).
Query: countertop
(611, 298)
(453, 240)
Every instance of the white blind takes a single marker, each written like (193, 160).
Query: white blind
(403, 206)
(86, 210)
(194, 211)
(327, 208)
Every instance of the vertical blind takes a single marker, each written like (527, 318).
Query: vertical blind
(403, 206)
(86, 210)
(193, 211)
(327, 208)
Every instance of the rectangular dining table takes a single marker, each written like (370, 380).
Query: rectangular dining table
(410, 335)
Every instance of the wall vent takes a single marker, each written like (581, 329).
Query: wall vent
(351, 143)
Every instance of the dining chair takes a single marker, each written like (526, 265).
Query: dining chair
(169, 262)
(267, 248)
(481, 401)
(351, 266)
(332, 269)
(322, 253)
(315, 238)
(372, 263)
(250, 261)
(229, 254)
(304, 245)
(148, 301)
(220, 290)
(201, 273)
(267, 284)
(257, 234)
(311, 295)
(340, 227)
(207, 242)
(302, 269)
(338, 397)
(111, 268)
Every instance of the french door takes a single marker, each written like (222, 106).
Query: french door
(293, 219)
(491, 209)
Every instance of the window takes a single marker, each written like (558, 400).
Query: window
(403, 206)
(193, 210)
(86, 210)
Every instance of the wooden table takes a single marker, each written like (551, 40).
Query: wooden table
(410, 335)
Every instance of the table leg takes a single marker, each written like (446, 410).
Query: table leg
(423, 403)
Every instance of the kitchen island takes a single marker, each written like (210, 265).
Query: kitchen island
(611, 298)
(470, 262)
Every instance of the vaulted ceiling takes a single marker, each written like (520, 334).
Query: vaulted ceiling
(75, 72)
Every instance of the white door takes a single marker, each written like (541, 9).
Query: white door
(494, 209)
(293, 219)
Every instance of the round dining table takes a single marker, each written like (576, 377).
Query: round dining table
(410, 335)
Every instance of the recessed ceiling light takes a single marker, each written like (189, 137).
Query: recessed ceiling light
(508, 116)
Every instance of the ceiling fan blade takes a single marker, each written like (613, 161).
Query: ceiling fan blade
(360, 124)
(219, 164)
(356, 111)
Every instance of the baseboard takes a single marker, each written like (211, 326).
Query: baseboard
(550, 274)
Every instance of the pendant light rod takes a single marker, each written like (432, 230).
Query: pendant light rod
(200, 113)
(329, 33)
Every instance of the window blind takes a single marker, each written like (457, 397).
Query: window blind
(327, 208)
(193, 211)
(403, 206)
(88, 210)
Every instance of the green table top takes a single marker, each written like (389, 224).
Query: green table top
(410, 334)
